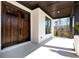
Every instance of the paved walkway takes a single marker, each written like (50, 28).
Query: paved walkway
(57, 48)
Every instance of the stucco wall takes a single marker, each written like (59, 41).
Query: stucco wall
(42, 35)
(38, 26)
(34, 25)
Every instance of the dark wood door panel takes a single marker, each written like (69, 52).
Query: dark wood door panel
(15, 25)
(6, 30)
(27, 29)
(20, 29)
(14, 32)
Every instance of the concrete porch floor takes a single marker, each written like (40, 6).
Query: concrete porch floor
(56, 47)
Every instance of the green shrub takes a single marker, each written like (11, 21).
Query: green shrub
(76, 26)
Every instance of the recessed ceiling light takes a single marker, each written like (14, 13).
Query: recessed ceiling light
(58, 11)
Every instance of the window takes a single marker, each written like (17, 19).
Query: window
(47, 25)
(63, 27)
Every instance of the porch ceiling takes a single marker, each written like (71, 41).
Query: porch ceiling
(55, 9)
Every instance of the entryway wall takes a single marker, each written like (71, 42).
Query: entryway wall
(37, 23)
(38, 26)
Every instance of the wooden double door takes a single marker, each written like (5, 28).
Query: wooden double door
(15, 25)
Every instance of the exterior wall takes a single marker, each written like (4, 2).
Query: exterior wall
(34, 25)
(76, 44)
(38, 26)
(42, 35)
